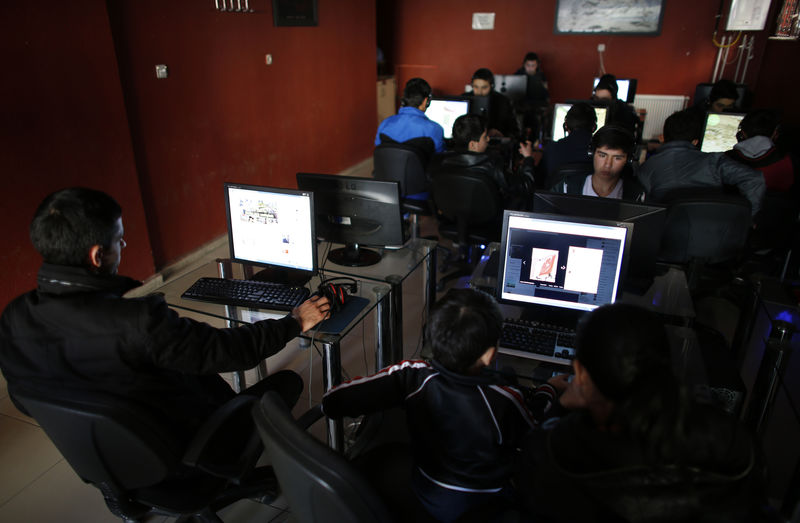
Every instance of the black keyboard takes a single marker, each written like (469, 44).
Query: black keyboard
(247, 293)
(543, 341)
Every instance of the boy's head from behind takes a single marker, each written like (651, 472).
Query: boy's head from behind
(462, 326)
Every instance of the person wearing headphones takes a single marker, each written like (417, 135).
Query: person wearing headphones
(493, 106)
(611, 152)
(579, 124)
(619, 112)
(410, 121)
(756, 149)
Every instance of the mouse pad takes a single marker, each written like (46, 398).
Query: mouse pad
(336, 323)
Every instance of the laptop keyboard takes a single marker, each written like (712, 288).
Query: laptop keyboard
(538, 340)
(247, 293)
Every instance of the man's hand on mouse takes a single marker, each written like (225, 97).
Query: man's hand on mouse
(312, 311)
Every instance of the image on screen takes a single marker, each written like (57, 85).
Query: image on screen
(720, 132)
(271, 227)
(560, 111)
(445, 111)
(569, 264)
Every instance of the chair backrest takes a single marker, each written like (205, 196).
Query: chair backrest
(708, 227)
(105, 439)
(467, 198)
(319, 484)
(397, 162)
(568, 170)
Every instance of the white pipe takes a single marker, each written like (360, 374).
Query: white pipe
(725, 57)
(716, 65)
(742, 47)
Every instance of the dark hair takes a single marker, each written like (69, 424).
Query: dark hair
(484, 74)
(462, 326)
(415, 92)
(614, 137)
(759, 122)
(686, 125)
(581, 116)
(68, 223)
(530, 57)
(467, 128)
(625, 350)
(723, 89)
(609, 83)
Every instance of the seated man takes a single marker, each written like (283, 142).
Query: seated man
(579, 124)
(410, 121)
(500, 118)
(611, 148)
(619, 112)
(537, 83)
(471, 142)
(722, 98)
(679, 164)
(756, 149)
(465, 423)
(76, 332)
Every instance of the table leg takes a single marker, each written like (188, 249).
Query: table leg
(382, 329)
(396, 319)
(332, 376)
(430, 287)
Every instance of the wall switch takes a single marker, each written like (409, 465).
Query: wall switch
(268, 59)
(161, 71)
(601, 48)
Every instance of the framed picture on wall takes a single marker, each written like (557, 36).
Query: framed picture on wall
(294, 12)
(630, 17)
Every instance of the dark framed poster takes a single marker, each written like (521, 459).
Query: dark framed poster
(627, 17)
(294, 12)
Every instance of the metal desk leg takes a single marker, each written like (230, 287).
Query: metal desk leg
(332, 376)
(395, 319)
(383, 330)
(430, 287)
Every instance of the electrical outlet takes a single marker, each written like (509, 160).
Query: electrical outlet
(601, 48)
(268, 59)
(161, 71)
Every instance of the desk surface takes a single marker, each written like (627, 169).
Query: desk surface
(372, 291)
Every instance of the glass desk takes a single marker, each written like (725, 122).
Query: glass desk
(393, 269)
(376, 295)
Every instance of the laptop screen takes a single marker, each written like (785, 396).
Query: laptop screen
(560, 111)
(720, 131)
(444, 111)
(561, 262)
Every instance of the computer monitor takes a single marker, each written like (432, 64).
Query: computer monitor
(719, 133)
(445, 110)
(648, 221)
(514, 86)
(560, 111)
(272, 228)
(626, 88)
(561, 262)
(479, 105)
(355, 211)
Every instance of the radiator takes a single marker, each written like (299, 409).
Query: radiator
(658, 108)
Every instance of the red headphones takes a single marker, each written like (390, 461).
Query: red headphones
(338, 294)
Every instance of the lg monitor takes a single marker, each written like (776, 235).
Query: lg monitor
(560, 111)
(561, 262)
(444, 111)
(719, 133)
(626, 88)
(647, 219)
(272, 228)
(356, 212)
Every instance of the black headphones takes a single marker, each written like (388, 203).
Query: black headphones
(338, 294)
(614, 128)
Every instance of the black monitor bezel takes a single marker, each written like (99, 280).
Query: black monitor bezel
(300, 274)
(571, 219)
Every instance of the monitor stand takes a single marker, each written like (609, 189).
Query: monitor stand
(351, 255)
(281, 275)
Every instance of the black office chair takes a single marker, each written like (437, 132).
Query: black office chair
(405, 163)
(568, 170)
(319, 484)
(140, 465)
(470, 212)
(704, 229)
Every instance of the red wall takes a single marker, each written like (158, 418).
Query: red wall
(435, 40)
(223, 115)
(62, 123)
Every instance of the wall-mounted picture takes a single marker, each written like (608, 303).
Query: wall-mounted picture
(633, 17)
(294, 12)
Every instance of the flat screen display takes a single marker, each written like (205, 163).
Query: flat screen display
(444, 111)
(560, 111)
(720, 131)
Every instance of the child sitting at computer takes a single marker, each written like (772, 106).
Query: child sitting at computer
(465, 422)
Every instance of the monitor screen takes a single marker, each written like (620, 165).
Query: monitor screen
(648, 221)
(444, 111)
(626, 88)
(514, 86)
(355, 211)
(271, 227)
(720, 131)
(560, 111)
(559, 261)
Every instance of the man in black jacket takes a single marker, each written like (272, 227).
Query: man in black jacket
(75, 332)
